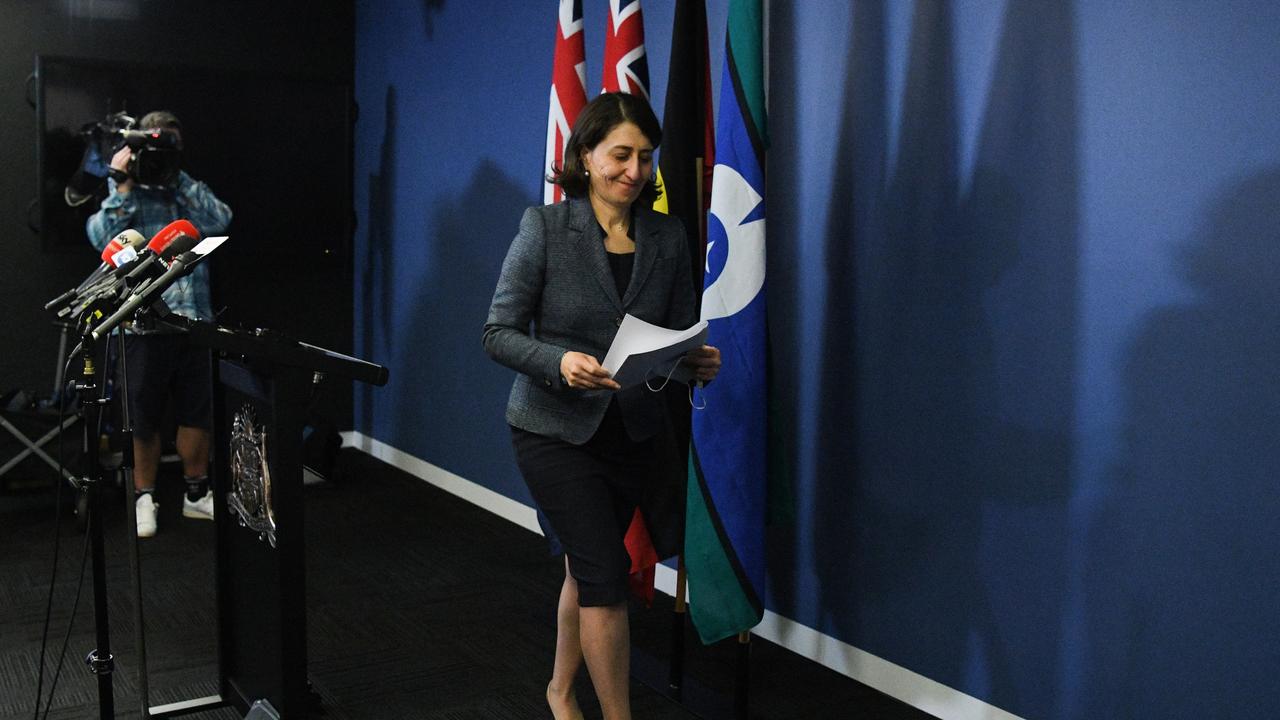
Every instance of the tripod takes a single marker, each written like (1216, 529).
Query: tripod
(35, 447)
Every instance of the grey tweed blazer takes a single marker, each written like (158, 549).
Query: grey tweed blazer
(556, 294)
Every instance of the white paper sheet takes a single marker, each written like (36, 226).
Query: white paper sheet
(643, 351)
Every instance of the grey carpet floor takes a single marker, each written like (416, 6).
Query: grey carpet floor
(419, 605)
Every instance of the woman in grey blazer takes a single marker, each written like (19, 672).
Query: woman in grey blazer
(587, 449)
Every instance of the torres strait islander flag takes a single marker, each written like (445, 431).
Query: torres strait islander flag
(725, 506)
(625, 67)
(568, 91)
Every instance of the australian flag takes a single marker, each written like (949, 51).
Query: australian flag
(625, 67)
(568, 91)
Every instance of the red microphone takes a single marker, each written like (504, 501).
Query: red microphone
(171, 232)
(177, 237)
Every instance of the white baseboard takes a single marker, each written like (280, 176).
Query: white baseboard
(891, 679)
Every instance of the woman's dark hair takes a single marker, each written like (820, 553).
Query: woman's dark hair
(606, 112)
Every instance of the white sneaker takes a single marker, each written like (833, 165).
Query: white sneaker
(201, 509)
(145, 509)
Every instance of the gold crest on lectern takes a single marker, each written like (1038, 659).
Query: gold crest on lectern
(250, 496)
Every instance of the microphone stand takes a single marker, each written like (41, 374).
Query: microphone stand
(89, 390)
(100, 661)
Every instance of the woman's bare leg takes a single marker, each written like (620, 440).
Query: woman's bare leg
(560, 694)
(606, 646)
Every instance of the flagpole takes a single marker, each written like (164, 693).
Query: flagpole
(702, 228)
(675, 676)
(743, 679)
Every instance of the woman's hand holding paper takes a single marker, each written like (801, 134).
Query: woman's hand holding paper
(705, 361)
(583, 372)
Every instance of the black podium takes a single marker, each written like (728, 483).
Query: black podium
(262, 388)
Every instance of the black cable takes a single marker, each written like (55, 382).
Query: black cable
(57, 544)
(75, 609)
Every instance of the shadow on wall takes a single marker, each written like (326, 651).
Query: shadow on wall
(784, 540)
(959, 313)
(853, 239)
(376, 280)
(468, 238)
(1185, 570)
(1022, 212)
(429, 9)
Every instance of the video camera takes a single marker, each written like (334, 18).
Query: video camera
(157, 157)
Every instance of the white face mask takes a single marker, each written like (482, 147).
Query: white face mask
(667, 379)
(694, 405)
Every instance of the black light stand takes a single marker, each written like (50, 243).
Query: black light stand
(59, 381)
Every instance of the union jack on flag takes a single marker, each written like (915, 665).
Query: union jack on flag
(568, 91)
(625, 67)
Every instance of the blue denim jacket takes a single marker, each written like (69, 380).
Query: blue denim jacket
(148, 211)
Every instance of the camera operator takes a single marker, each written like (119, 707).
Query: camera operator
(148, 190)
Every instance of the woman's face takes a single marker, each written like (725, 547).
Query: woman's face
(620, 165)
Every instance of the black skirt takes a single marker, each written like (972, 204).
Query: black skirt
(588, 494)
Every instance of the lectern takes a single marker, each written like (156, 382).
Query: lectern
(262, 390)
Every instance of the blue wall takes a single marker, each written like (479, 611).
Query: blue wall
(1025, 263)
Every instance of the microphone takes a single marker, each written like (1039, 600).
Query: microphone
(149, 266)
(177, 237)
(170, 232)
(161, 249)
(122, 249)
(155, 138)
(149, 292)
(158, 249)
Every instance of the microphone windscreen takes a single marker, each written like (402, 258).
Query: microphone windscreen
(171, 231)
(123, 248)
(177, 246)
